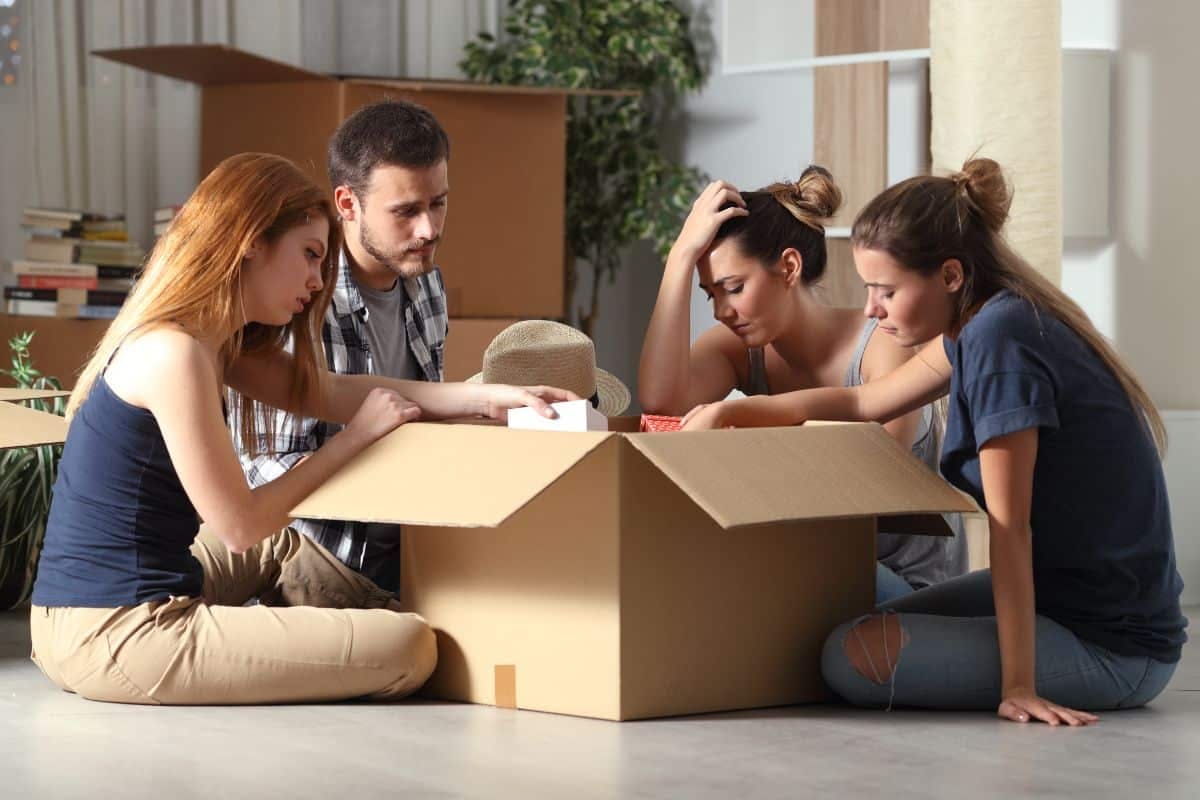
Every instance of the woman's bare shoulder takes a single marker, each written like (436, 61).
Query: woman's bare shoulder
(157, 358)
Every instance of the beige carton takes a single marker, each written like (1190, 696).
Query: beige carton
(25, 427)
(503, 251)
(625, 576)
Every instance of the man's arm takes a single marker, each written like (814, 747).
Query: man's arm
(294, 439)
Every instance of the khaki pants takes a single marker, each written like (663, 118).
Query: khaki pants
(320, 632)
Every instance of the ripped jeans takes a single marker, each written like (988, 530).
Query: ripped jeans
(948, 657)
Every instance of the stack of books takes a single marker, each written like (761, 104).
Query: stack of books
(162, 219)
(77, 264)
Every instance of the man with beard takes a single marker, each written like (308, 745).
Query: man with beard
(388, 167)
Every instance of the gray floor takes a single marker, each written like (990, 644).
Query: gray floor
(55, 745)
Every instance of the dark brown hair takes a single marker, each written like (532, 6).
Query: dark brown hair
(787, 215)
(391, 133)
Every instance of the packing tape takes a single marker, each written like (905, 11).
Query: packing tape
(506, 686)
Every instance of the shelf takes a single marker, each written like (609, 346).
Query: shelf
(872, 58)
(829, 61)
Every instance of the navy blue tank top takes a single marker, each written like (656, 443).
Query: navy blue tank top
(120, 522)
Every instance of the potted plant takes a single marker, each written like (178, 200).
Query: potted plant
(621, 188)
(26, 480)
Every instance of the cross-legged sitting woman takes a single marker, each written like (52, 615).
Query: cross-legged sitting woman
(133, 602)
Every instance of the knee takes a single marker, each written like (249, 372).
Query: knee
(413, 655)
(861, 655)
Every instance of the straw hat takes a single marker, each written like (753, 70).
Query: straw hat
(540, 352)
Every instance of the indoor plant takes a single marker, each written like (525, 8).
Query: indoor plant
(621, 188)
(26, 480)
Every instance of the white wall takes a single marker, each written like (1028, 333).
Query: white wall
(1138, 284)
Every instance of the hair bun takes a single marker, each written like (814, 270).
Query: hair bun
(813, 199)
(986, 189)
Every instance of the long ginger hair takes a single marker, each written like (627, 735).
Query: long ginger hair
(192, 278)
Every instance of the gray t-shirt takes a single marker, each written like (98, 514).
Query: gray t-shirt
(391, 356)
(386, 334)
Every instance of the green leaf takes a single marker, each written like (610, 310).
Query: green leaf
(26, 479)
(620, 186)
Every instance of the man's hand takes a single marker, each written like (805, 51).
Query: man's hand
(496, 399)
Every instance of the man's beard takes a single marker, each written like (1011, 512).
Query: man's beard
(398, 261)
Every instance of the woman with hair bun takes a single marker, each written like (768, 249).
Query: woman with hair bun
(758, 256)
(1051, 432)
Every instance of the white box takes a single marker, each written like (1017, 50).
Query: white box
(573, 415)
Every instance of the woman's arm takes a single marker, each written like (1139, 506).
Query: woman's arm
(672, 376)
(170, 374)
(1006, 464)
(266, 378)
(882, 357)
(918, 381)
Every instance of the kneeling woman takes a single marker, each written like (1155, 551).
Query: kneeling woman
(758, 256)
(130, 604)
(1050, 432)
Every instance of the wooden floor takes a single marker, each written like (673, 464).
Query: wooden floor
(55, 745)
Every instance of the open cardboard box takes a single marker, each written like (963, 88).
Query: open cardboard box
(26, 427)
(503, 251)
(622, 575)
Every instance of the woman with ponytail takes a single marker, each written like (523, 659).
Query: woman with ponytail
(758, 256)
(1050, 431)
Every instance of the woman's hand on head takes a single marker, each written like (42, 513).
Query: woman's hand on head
(498, 398)
(380, 413)
(1027, 706)
(720, 201)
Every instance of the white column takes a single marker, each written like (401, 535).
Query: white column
(996, 86)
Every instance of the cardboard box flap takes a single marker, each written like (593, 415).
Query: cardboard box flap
(24, 427)
(448, 475)
(754, 476)
(209, 64)
(17, 395)
(443, 85)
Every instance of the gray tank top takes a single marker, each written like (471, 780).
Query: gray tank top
(920, 560)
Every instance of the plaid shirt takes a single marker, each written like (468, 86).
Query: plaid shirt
(348, 353)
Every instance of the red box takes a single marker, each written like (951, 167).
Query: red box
(658, 423)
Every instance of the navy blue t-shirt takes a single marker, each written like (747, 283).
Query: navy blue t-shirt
(1103, 555)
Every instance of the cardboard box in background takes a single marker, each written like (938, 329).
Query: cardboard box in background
(503, 251)
(625, 576)
(61, 347)
(465, 344)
